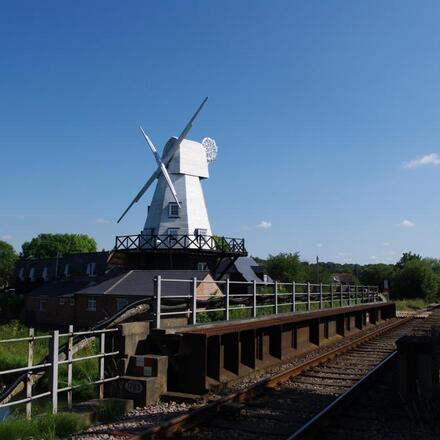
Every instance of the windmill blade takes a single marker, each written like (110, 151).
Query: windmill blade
(140, 193)
(161, 166)
(184, 133)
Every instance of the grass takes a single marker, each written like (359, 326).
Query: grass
(44, 427)
(411, 304)
(14, 355)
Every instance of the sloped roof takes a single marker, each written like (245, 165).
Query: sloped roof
(247, 267)
(141, 283)
(61, 288)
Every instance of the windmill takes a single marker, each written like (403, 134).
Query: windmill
(178, 205)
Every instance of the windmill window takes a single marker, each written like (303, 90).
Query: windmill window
(201, 231)
(173, 210)
(91, 304)
(121, 303)
(32, 273)
(67, 270)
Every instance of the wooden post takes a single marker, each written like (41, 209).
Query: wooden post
(227, 299)
(308, 297)
(293, 296)
(194, 302)
(254, 299)
(54, 347)
(321, 302)
(69, 367)
(158, 300)
(30, 360)
(102, 365)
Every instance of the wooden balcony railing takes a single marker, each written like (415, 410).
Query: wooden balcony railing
(210, 243)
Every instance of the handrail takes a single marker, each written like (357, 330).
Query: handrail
(210, 243)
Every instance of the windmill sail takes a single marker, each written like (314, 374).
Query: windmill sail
(163, 163)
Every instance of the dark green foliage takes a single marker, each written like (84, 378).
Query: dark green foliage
(376, 274)
(51, 245)
(286, 267)
(407, 257)
(8, 257)
(416, 279)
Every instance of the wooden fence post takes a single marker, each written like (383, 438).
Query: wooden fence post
(293, 296)
(54, 347)
(70, 367)
(102, 365)
(227, 299)
(30, 360)
(194, 301)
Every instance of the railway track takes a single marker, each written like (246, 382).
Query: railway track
(297, 402)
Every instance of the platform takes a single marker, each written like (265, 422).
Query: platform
(205, 355)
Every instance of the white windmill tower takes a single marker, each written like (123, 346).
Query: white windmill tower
(178, 205)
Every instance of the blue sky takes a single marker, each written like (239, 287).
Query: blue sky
(319, 110)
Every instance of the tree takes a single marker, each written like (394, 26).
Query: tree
(376, 274)
(406, 257)
(286, 267)
(416, 279)
(8, 257)
(51, 245)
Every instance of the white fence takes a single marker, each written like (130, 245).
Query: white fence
(51, 364)
(257, 295)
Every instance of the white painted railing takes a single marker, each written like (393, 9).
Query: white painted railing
(281, 297)
(53, 364)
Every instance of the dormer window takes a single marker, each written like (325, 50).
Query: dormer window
(173, 210)
(32, 274)
(21, 274)
(67, 270)
(91, 269)
(45, 274)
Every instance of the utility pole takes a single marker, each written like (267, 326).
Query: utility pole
(317, 270)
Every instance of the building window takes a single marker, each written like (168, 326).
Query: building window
(173, 210)
(91, 304)
(21, 273)
(199, 232)
(121, 303)
(45, 274)
(71, 301)
(42, 305)
(62, 301)
(201, 265)
(67, 270)
(32, 274)
(91, 269)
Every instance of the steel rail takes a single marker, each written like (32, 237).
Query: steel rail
(196, 417)
(317, 422)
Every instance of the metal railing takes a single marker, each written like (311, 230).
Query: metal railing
(233, 296)
(201, 242)
(53, 367)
